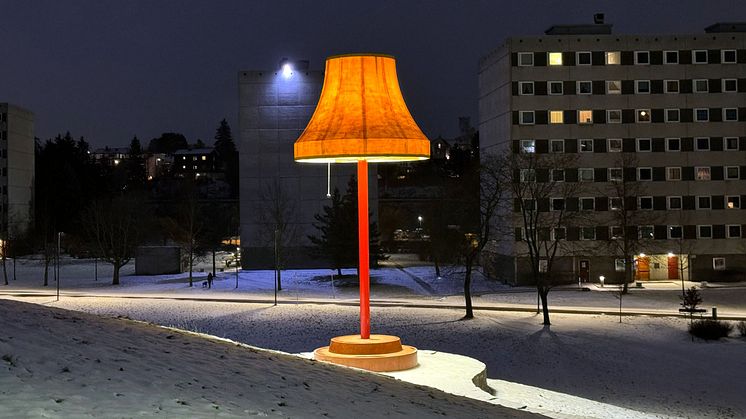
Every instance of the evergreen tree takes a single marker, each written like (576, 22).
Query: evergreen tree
(199, 144)
(226, 155)
(135, 166)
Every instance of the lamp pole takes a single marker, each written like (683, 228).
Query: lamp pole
(238, 249)
(363, 251)
(57, 268)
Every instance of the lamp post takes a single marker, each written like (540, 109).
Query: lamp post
(57, 267)
(238, 263)
(419, 219)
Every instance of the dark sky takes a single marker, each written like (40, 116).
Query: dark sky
(110, 70)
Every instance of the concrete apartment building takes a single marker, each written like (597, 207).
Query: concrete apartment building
(274, 108)
(673, 104)
(16, 169)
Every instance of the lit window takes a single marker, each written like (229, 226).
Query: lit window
(585, 88)
(702, 173)
(556, 117)
(645, 202)
(701, 86)
(525, 59)
(644, 173)
(644, 144)
(585, 117)
(555, 88)
(615, 145)
(718, 264)
(613, 58)
(616, 232)
(642, 57)
(642, 86)
(734, 231)
(615, 203)
(646, 232)
(615, 174)
(587, 204)
(528, 175)
(704, 232)
(699, 56)
(702, 143)
(728, 56)
(183, 157)
(731, 143)
(730, 85)
(643, 115)
(183, 167)
(528, 146)
(730, 114)
(194, 158)
(733, 202)
(732, 172)
(674, 232)
(704, 202)
(558, 204)
(557, 146)
(558, 175)
(587, 233)
(527, 117)
(674, 202)
(614, 116)
(555, 58)
(613, 87)
(671, 57)
(671, 86)
(619, 265)
(586, 146)
(673, 115)
(701, 115)
(673, 144)
(585, 174)
(673, 173)
(584, 58)
(526, 87)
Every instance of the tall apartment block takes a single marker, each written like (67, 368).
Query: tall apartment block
(274, 108)
(16, 169)
(673, 104)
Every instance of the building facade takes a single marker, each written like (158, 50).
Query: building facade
(274, 108)
(16, 169)
(662, 114)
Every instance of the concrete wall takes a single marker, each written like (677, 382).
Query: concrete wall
(158, 260)
(18, 185)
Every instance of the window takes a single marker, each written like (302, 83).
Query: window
(674, 202)
(704, 232)
(671, 57)
(556, 117)
(528, 175)
(673, 144)
(728, 56)
(673, 173)
(559, 233)
(585, 175)
(615, 145)
(644, 173)
(585, 117)
(585, 87)
(734, 231)
(558, 175)
(674, 232)
(702, 143)
(704, 202)
(587, 204)
(558, 204)
(645, 202)
(543, 265)
(730, 114)
(204, 158)
(702, 173)
(642, 86)
(528, 146)
(644, 144)
(555, 58)
(701, 86)
(529, 204)
(526, 87)
(616, 232)
(557, 146)
(732, 172)
(615, 203)
(718, 264)
(646, 232)
(555, 87)
(586, 146)
(527, 117)
(730, 85)
(613, 58)
(613, 87)
(699, 56)
(587, 233)
(673, 115)
(730, 143)
(642, 57)
(733, 202)
(701, 115)
(615, 174)
(614, 116)
(642, 115)
(671, 86)
(525, 59)
(583, 58)
(619, 265)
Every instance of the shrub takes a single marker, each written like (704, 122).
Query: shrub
(742, 328)
(691, 299)
(709, 329)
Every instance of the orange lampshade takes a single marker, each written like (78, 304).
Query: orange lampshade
(361, 115)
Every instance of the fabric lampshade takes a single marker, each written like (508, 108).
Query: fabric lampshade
(361, 115)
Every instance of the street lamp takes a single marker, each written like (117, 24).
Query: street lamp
(601, 279)
(419, 218)
(238, 257)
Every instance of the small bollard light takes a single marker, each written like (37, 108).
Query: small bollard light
(601, 280)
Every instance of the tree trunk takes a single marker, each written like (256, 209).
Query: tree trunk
(46, 270)
(115, 276)
(279, 279)
(5, 269)
(543, 292)
(467, 292)
(437, 267)
(339, 271)
(191, 264)
(213, 263)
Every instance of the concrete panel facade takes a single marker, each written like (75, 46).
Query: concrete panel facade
(16, 168)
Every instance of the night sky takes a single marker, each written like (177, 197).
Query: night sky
(110, 70)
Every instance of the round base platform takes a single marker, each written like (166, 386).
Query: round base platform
(380, 353)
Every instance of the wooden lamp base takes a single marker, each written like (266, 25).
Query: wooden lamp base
(380, 353)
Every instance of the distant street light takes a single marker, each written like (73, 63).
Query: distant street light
(419, 218)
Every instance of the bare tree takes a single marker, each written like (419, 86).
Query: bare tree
(278, 220)
(187, 225)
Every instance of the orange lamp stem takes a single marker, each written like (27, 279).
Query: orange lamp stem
(363, 251)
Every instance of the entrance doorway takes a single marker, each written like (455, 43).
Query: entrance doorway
(673, 267)
(642, 273)
(585, 270)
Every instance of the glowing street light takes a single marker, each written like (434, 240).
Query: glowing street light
(287, 70)
(419, 218)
